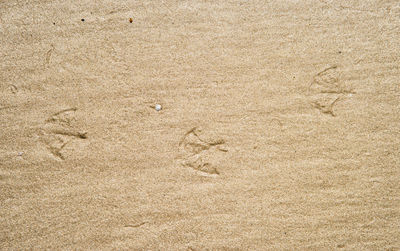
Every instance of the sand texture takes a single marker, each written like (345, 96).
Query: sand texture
(278, 126)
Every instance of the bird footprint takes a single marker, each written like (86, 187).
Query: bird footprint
(198, 152)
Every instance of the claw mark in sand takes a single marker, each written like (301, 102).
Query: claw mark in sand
(326, 89)
(7, 107)
(48, 55)
(68, 132)
(326, 108)
(136, 225)
(56, 149)
(198, 152)
(328, 81)
(13, 89)
(63, 116)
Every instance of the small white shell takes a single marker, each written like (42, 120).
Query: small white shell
(158, 107)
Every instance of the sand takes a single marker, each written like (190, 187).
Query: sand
(279, 127)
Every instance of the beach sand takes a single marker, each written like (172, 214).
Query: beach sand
(279, 127)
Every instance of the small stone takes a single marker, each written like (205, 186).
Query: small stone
(20, 153)
(158, 107)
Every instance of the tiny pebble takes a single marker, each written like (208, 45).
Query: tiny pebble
(158, 107)
(20, 153)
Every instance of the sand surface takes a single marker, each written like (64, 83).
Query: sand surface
(279, 127)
